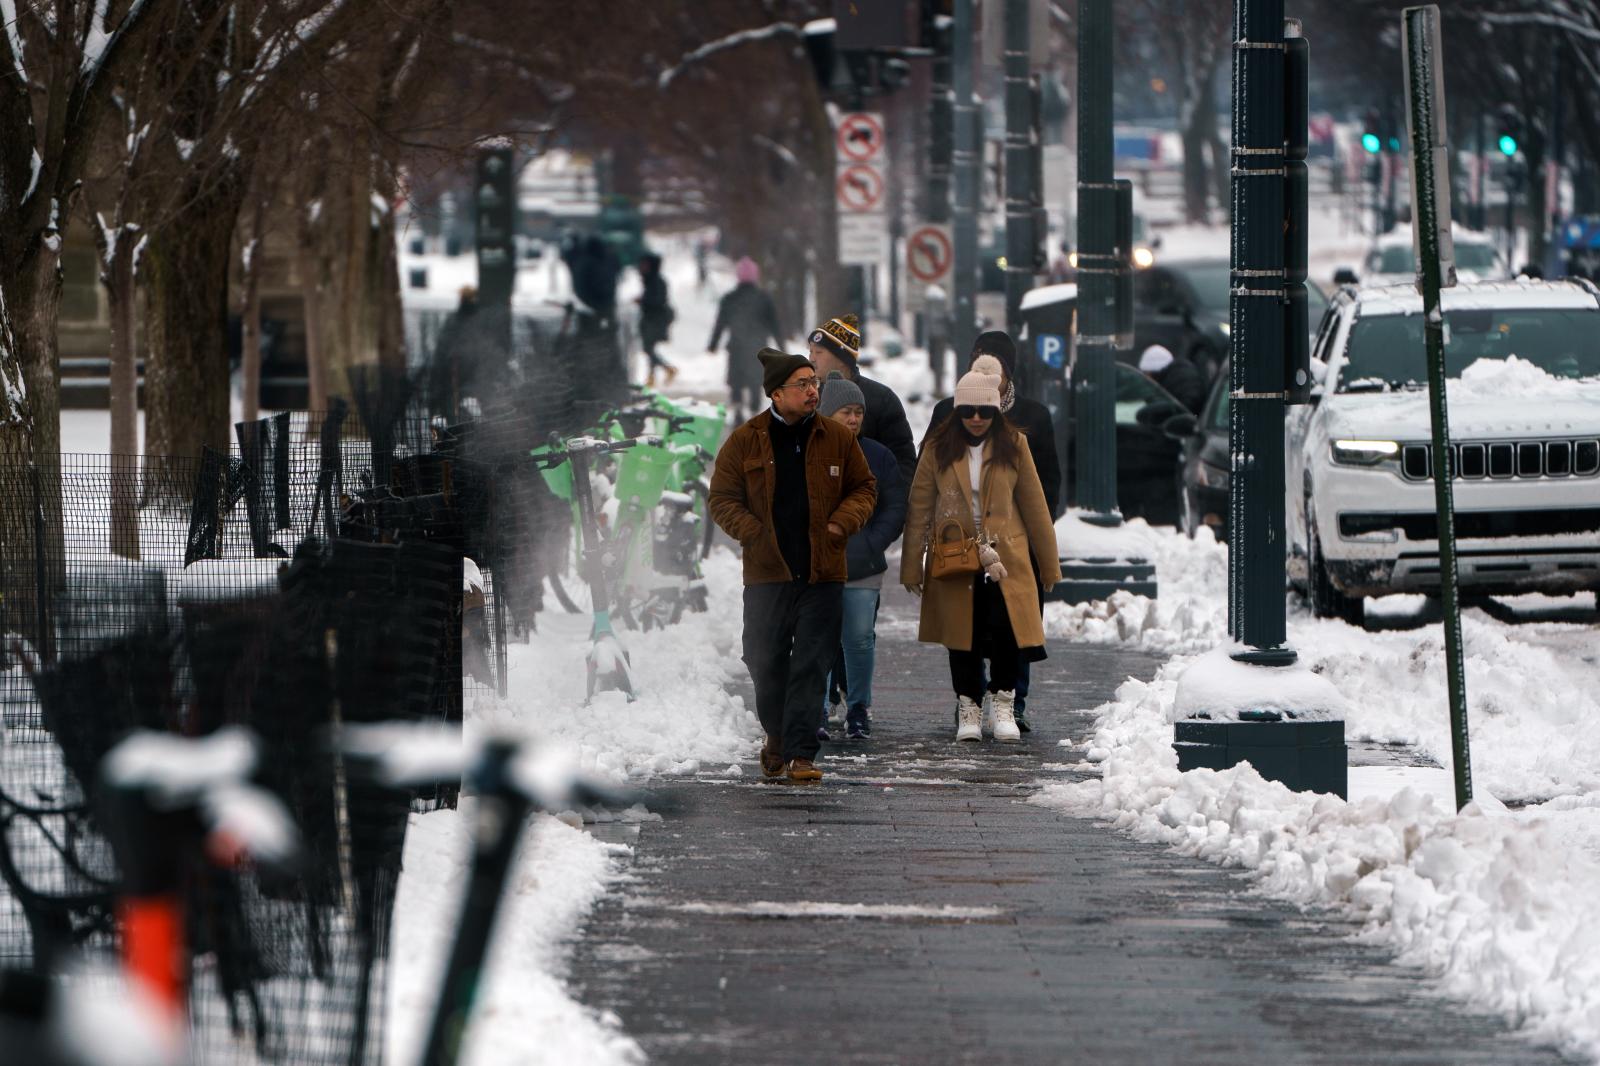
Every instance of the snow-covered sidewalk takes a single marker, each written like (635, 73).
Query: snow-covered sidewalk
(1496, 902)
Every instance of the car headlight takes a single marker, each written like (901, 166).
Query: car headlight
(1226, 328)
(1143, 257)
(1211, 477)
(1364, 452)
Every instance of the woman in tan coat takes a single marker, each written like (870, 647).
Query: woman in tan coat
(976, 479)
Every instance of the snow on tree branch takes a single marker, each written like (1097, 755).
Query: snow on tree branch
(722, 44)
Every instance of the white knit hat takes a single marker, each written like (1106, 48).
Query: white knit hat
(1155, 359)
(978, 389)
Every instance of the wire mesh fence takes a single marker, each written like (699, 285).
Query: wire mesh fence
(314, 575)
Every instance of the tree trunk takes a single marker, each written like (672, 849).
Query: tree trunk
(311, 299)
(119, 282)
(31, 551)
(186, 374)
(1199, 134)
(255, 253)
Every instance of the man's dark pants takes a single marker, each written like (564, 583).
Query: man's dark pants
(791, 631)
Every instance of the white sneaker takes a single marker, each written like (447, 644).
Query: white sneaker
(988, 714)
(969, 717)
(836, 713)
(1005, 719)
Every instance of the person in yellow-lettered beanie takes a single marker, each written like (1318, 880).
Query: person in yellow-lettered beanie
(976, 481)
(791, 488)
(836, 345)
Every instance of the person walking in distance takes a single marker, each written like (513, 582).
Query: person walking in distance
(836, 345)
(791, 488)
(749, 317)
(655, 317)
(976, 512)
(864, 555)
(993, 353)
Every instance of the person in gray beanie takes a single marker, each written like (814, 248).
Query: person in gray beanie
(843, 401)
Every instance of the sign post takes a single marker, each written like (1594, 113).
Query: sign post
(1430, 234)
(859, 188)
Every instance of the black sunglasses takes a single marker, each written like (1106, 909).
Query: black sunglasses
(966, 411)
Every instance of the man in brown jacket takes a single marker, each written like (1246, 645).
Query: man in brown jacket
(791, 487)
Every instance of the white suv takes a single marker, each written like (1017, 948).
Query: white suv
(1523, 360)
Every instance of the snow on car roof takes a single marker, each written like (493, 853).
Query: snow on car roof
(1402, 235)
(1522, 292)
(1045, 295)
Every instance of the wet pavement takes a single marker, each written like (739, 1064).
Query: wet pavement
(913, 907)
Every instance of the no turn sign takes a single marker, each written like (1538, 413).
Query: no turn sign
(930, 253)
(859, 137)
(860, 188)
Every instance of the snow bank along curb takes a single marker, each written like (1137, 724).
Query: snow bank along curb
(1499, 907)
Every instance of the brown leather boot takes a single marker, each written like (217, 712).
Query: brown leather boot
(772, 757)
(803, 770)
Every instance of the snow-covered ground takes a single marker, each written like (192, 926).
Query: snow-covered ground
(1496, 901)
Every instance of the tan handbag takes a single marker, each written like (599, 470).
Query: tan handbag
(956, 558)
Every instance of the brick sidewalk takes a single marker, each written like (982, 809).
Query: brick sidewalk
(1081, 944)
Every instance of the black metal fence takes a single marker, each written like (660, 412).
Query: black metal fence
(312, 576)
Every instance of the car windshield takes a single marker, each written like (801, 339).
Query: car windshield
(1386, 351)
(1210, 281)
(1470, 255)
(1219, 410)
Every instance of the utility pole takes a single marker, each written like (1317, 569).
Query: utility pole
(1019, 178)
(1430, 226)
(1094, 371)
(964, 162)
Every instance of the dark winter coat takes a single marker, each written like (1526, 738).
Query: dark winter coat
(1033, 419)
(885, 422)
(840, 488)
(1185, 382)
(750, 318)
(594, 267)
(655, 312)
(865, 552)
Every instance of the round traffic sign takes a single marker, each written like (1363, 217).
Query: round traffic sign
(860, 136)
(929, 254)
(859, 188)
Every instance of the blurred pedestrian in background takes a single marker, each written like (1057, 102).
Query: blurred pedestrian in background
(1181, 378)
(655, 317)
(749, 317)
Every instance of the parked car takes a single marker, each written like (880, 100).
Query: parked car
(1203, 467)
(1525, 446)
(1392, 261)
(1182, 304)
(1146, 456)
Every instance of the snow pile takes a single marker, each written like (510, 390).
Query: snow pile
(1496, 903)
(1217, 686)
(523, 1013)
(683, 716)
(1498, 906)
(1513, 378)
(1190, 612)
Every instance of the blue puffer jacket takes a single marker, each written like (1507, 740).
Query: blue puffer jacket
(864, 552)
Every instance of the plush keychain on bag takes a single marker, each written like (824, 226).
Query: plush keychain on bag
(990, 560)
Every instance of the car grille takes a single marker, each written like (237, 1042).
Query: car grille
(1476, 460)
(1473, 525)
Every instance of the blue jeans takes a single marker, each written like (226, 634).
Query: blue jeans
(858, 633)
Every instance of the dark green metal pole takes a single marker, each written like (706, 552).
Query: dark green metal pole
(1093, 376)
(1019, 174)
(964, 162)
(1256, 313)
(1429, 154)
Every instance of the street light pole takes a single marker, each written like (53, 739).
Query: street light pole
(1094, 370)
(1256, 564)
(1019, 174)
(964, 162)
